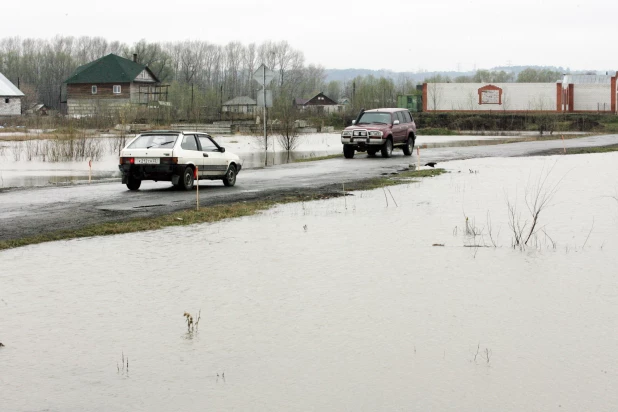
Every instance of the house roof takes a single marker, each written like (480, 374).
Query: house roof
(108, 69)
(8, 89)
(241, 101)
(300, 101)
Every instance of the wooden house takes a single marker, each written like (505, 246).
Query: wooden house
(10, 98)
(241, 105)
(319, 104)
(110, 83)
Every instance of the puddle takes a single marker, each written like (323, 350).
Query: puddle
(342, 304)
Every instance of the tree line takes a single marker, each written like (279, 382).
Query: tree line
(529, 75)
(202, 75)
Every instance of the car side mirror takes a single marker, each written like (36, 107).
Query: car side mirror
(353, 121)
(222, 149)
(396, 122)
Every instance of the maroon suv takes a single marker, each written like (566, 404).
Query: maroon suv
(380, 129)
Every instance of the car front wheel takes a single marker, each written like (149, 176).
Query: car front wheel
(187, 179)
(230, 176)
(348, 151)
(387, 148)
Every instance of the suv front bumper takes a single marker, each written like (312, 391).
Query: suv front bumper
(363, 141)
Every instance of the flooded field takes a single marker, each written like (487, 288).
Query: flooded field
(407, 298)
(28, 163)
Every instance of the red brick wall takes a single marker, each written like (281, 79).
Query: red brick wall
(613, 92)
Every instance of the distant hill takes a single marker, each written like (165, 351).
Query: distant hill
(419, 77)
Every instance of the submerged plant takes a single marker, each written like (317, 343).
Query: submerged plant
(123, 367)
(536, 198)
(192, 326)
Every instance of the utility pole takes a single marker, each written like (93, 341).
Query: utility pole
(265, 112)
(192, 110)
(263, 75)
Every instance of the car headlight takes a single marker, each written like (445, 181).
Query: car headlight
(346, 134)
(375, 133)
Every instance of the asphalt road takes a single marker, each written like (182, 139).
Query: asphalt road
(26, 212)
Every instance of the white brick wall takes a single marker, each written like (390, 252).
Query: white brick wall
(515, 97)
(592, 97)
(12, 108)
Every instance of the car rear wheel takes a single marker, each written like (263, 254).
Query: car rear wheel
(230, 176)
(348, 151)
(133, 183)
(387, 148)
(407, 149)
(186, 182)
(371, 152)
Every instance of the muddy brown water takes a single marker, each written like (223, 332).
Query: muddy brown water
(333, 305)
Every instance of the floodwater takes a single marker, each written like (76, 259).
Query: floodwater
(19, 167)
(334, 305)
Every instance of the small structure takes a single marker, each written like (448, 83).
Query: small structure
(10, 98)
(344, 101)
(320, 104)
(240, 104)
(37, 109)
(109, 83)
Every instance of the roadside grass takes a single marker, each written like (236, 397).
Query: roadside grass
(578, 150)
(216, 213)
(316, 158)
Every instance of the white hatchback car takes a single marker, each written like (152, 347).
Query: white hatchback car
(177, 157)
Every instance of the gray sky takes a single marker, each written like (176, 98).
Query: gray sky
(396, 35)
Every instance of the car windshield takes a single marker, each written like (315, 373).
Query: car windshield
(146, 141)
(374, 117)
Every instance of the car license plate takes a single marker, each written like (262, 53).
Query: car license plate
(147, 160)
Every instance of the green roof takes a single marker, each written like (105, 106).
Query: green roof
(108, 69)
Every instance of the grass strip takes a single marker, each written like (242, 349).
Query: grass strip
(315, 158)
(576, 151)
(216, 213)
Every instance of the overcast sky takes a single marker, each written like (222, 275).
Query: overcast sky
(392, 34)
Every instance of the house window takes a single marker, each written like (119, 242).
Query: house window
(94, 89)
(116, 89)
(7, 100)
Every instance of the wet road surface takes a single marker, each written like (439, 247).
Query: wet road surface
(27, 212)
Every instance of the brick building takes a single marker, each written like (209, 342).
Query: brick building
(10, 98)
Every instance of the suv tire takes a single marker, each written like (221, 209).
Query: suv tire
(409, 147)
(230, 176)
(348, 151)
(387, 148)
(371, 151)
(186, 180)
